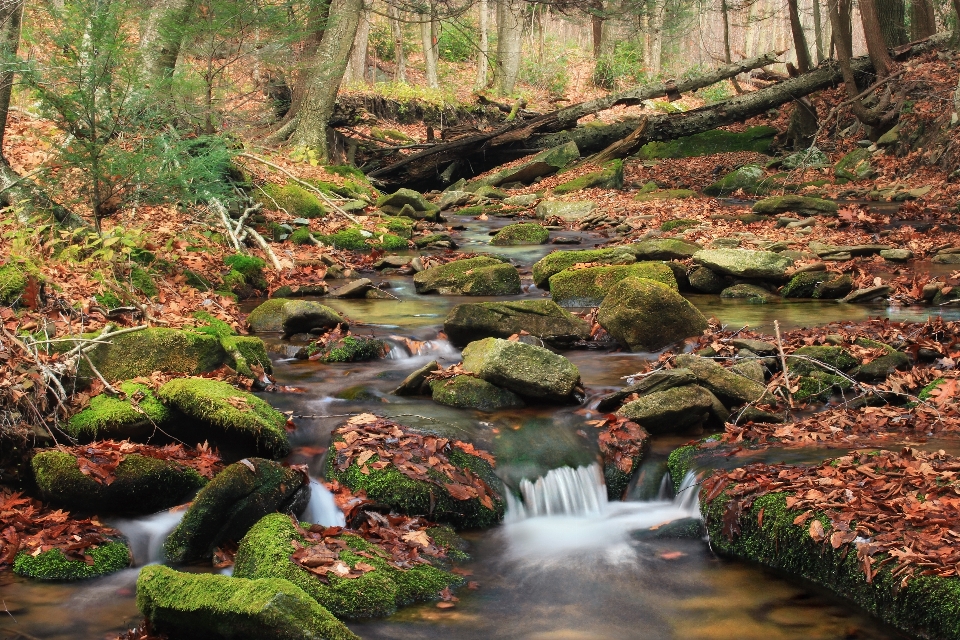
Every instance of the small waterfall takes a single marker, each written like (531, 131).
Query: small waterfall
(688, 496)
(403, 348)
(666, 488)
(146, 535)
(322, 508)
(562, 492)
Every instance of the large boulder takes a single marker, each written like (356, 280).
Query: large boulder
(140, 484)
(544, 319)
(662, 249)
(134, 415)
(674, 410)
(219, 410)
(566, 211)
(854, 166)
(408, 203)
(523, 233)
(266, 550)
(747, 177)
(469, 392)
(210, 606)
(480, 276)
(818, 284)
(745, 263)
(588, 287)
(645, 315)
(729, 387)
(303, 316)
(799, 204)
(527, 370)
(140, 353)
(553, 263)
(234, 501)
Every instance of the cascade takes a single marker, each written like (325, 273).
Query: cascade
(322, 508)
(146, 535)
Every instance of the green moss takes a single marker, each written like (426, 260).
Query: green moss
(679, 464)
(810, 355)
(804, 284)
(13, 280)
(819, 385)
(113, 417)
(213, 326)
(399, 226)
(235, 282)
(346, 171)
(250, 267)
(214, 403)
(709, 142)
(140, 353)
(480, 276)
(588, 287)
(268, 316)
(611, 177)
(244, 352)
(53, 565)
(469, 392)
(295, 199)
(555, 262)
(346, 239)
(388, 242)
(197, 280)
(349, 349)
(108, 300)
(525, 233)
(142, 280)
(265, 553)
(682, 223)
(214, 606)
(301, 236)
(925, 393)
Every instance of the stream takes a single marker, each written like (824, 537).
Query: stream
(566, 564)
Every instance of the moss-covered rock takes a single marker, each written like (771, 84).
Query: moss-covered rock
(302, 316)
(745, 263)
(481, 276)
(798, 204)
(250, 272)
(646, 315)
(588, 287)
(13, 280)
(680, 463)
(233, 502)
(679, 224)
(134, 415)
(819, 385)
(854, 166)
(566, 211)
(654, 381)
(707, 143)
(729, 387)
(804, 360)
(523, 233)
(142, 484)
(228, 412)
(748, 292)
(299, 202)
(348, 349)
(674, 410)
(544, 319)
(748, 178)
(610, 177)
(707, 280)
(202, 606)
(527, 370)
(245, 352)
(55, 566)
(410, 204)
(880, 368)
(469, 392)
(267, 317)
(553, 263)
(804, 284)
(265, 553)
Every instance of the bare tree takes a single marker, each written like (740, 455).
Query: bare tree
(483, 47)
(873, 34)
(11, 21)
(428, 36)
(357, 66)
(804, 63)
(509, 43)
(399, 58)
(923, 20)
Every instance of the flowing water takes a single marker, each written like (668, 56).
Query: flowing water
(566, 564)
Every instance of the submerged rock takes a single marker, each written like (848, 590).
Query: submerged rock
(745, 263)
(544, 319)
(674, 410)
(529, 371)
(748, 292)
(588, 287)
(645, 315)
(203, 605)
(524, 233)
(233, 502)
(469, 392)
(481, 276)
(347, 349)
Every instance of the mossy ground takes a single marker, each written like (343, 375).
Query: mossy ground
(53, 565)
(265, 553)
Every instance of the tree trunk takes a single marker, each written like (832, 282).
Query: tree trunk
(162, 37)
(357, 65)
(923, 20)
(804, 63)
(11, 20)
(876, 42)
(484, 47)
(323, 75)
(428, 39)
(399, 58)
(891, 21)
(725, 15)
(818, 31)
(655, 36)
(596, 22)
(509, 43)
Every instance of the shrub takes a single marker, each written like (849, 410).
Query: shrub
(458, 41)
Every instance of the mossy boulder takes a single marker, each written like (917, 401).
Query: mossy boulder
(646, 315)
(267, 317)
(203, 605)
(299, 202)
(217, 408)
(745, 263)
(303, 316)
(707, 143)
(673, 410)
(854, 166)
(348, 349)
(245, 352)
(53, 565)
(731, 388)
(748, 178)
(544, 319)
(826, 285)
(480, 276)
(410, 204)
(880, 368)
(655, 381)
(133, 416)
(662, 249)
(804, 361)
(798, 204)
(527, 370)
(13, 281)
(523, 233)
(542, 164)
(246, 274)
(610, 177)
(749, 293)
(265, 553)
(588, 287)
(142, 484)
(234, 501)
(554, 263)
(819, 385)
(707, 280)
(469, 392)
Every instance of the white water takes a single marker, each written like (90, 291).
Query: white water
(322, 508)
(146, 535)
(402, 350)
(566, 515)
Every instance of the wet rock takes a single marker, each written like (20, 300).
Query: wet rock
(544, 319)
(469, 392)
(869, 294)
(481, 276)
(798, 204)
(706, 281)
(645, 315)
(347, 349)
(555, 262)
(588, 287)
(610, 177)
(656, 381)
(306, 290)
(854, 166)
(757, 346)
(527, 370)
(226, 412)
(142, 484)
(415, 384)
(663, 249)
(392, 262)
(354, 289)
(747, 177)
(729, 387)
(451, 199)
(234, 501)
(265, 553)
(749, 293)
(410, 204)
(836, 287)
(679, 529)
(134, 416)
(568, 211)
(524, 233)
(752, 414)
(745, 263)
(673, 410)
(293, 316)
(896, 255)
(880, 368)
(200, 605)
(946, 257)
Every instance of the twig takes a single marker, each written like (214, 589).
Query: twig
(8, 611)
(783, 362)
(246, 214)
(218, 206)
(266, 248)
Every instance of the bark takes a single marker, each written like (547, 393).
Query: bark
(357, 66)
(162, 37)
(323, 75)
(429, 41)
(818, 31)
(923, 20)
(804, 63)
(655, 36)
(725, 15)
(891, 21)
(509, 43)
(483, 47)
(596, 23)
(11, 21)
(399, 58)
(876, 42)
